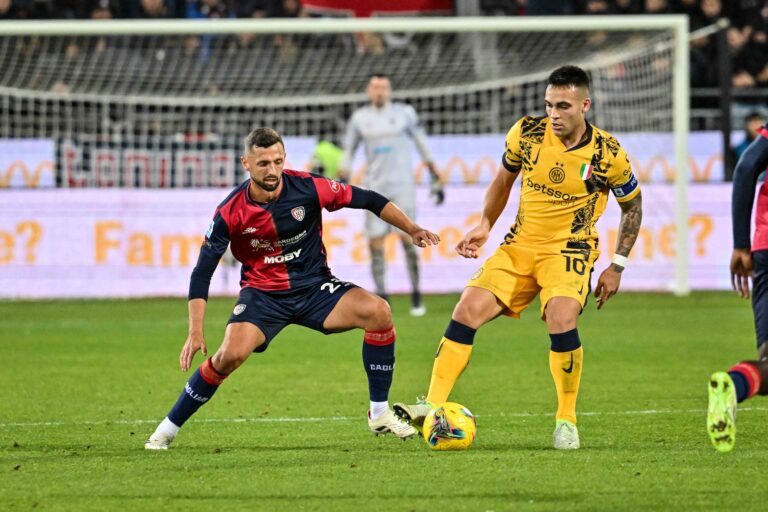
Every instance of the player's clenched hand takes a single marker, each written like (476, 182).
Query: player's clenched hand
(423, 237)
(472, 242)
(195, 342)
(607, 285)
(741, 270)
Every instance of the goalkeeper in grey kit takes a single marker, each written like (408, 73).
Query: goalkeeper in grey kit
(386, 130)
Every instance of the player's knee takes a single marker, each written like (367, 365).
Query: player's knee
(377, 314)
(561, 321)
(467, 312)
(229, 360)
(382, 310)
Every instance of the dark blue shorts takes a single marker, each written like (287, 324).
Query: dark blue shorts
(760, 295)
(271, 311)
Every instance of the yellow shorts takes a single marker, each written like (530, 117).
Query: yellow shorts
(515, 274)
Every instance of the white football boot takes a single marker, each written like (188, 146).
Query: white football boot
(415, 413)
(158, 441)
(389, 423)
(419, 310)
(566, 436)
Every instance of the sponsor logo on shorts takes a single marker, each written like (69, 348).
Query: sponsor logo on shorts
(477, 274)
(282, 258)
(298, 213)
(238, 309)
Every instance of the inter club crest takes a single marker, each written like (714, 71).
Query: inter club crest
(298, 213)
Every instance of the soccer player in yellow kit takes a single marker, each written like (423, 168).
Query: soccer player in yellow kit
(567, 167)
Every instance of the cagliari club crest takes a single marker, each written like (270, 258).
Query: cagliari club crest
(298, 213)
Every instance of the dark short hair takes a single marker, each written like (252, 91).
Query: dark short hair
(566, 76)
(262, 138)
(378, 75)
(753, 116)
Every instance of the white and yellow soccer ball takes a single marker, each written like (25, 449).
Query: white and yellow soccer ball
(449, 426)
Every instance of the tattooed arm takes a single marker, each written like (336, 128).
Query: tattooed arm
(629, 227)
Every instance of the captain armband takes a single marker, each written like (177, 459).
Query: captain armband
(627, 190)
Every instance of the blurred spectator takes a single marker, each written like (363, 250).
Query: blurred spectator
(744, 13)
(252, 8)
(547, 7)
(153, 9)
(285, 9)
(629, 6)
(72, 9)
(502, 7)
(704, 49)
(101, 11)
(8, 11)
(208, 9)
(657, 7)
(597, 7)
(750, 63)
(17, 9)
(752, 123)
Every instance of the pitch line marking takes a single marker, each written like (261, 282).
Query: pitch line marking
(348, 418)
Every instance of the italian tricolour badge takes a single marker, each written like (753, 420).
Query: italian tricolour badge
(586, 171)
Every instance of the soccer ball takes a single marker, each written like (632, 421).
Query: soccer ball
(450, 426)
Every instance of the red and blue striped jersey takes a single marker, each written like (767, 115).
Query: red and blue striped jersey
(278, 243)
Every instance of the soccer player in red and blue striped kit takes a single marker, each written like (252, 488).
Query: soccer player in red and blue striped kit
(749, 260)
(273, 224)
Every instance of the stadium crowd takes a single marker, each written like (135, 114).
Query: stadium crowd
(747, 36)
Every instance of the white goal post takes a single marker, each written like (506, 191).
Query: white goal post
(49, 89)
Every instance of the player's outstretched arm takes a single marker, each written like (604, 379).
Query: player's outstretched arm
(629, 227)
(213, 248)
(395, 216)
(496, 197)
(195, 339)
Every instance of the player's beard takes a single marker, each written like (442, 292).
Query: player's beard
(267, 186)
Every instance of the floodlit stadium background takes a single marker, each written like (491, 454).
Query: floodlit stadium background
(116, 144)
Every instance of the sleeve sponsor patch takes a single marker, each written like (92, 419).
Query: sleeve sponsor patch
(626, 189)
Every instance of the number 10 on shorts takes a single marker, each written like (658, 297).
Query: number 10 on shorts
(578, 265)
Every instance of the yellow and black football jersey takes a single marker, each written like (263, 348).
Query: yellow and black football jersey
(564, 191)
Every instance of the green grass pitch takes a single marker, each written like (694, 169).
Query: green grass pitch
(84, 383)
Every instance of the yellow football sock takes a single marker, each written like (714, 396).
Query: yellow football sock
(566, 372)
(450, 361)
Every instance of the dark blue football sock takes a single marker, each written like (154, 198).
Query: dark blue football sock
(379, 362)
(197, 391)
(741, 385)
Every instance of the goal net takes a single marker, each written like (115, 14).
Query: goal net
(143, 104)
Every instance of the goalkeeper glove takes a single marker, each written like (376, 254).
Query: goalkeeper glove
(436, 191)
